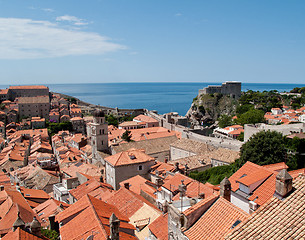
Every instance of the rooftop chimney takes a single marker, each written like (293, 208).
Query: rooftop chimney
(18, 223)
(1, 188)
(35, 227)
(114, 223)
(159, 182)
(283, 184)
(225, 189)
(182, 189)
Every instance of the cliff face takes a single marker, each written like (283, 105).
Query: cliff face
(208, 108)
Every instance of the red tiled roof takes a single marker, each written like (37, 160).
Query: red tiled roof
(295, 173)
(144, 118)
(20, 234)
(127, 201)
(29, 87)
(9, 208)
(254, 177)
(96, 214)
(131, 156)
(34, 193)
(216, 222)
(138, 183)
(159, 227)
(172, 182)
(88, 187)
(276, 166)
(247, 169)
(48, 208)
(277, 219)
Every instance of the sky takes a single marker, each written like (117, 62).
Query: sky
(96, 41)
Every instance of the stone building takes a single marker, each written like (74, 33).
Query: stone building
(34, 106)
(231, 88)
(27, 91)
(127, 164)
(99, 133)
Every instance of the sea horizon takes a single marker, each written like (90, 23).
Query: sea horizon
(163, 97)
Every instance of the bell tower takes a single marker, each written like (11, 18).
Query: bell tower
(99, 138)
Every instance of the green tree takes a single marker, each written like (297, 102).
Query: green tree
(241, 136)
(54, 128)
(214, 175)
(111, 120)
(263, 148)
(50, 234)
(224, 121)
(127, 136)
(251, 117)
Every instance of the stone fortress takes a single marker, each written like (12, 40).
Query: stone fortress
(231, 88)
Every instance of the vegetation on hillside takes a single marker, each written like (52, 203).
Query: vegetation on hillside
(266, 147)
(253, 105)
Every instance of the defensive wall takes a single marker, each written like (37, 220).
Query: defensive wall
(188, 133)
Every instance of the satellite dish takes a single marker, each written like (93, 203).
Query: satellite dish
(90, 237)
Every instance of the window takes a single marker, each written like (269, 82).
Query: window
(140, 167)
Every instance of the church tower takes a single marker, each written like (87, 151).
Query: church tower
(99, 138)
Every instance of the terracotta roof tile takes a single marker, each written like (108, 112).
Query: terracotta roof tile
(29, 87)
(217, 221)
(247, 169)
(295, 173)
(144, 118)
(150, 146)
(128, 202)
(138, 183)
(277, 219)
(88, 187)
(49, 208)
(131, 156)
(20, 234)
(97, 214)
(276, 166)
(159, 227)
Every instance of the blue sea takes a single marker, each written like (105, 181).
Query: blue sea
(163, 97)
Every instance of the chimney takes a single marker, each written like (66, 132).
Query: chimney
(283, 184)
(186, 168)
(164, 207)
(114, 223)
(53, 225)
(182, 189)
(18, 223)
(126, 185)
(1, 188)
(60, 177)
(35, 227)
(225, 189)
(159, 182)
(101, 177)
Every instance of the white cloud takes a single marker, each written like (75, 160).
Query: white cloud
(29, 39)
(178, 14)
(48, 10)
(71, 19)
